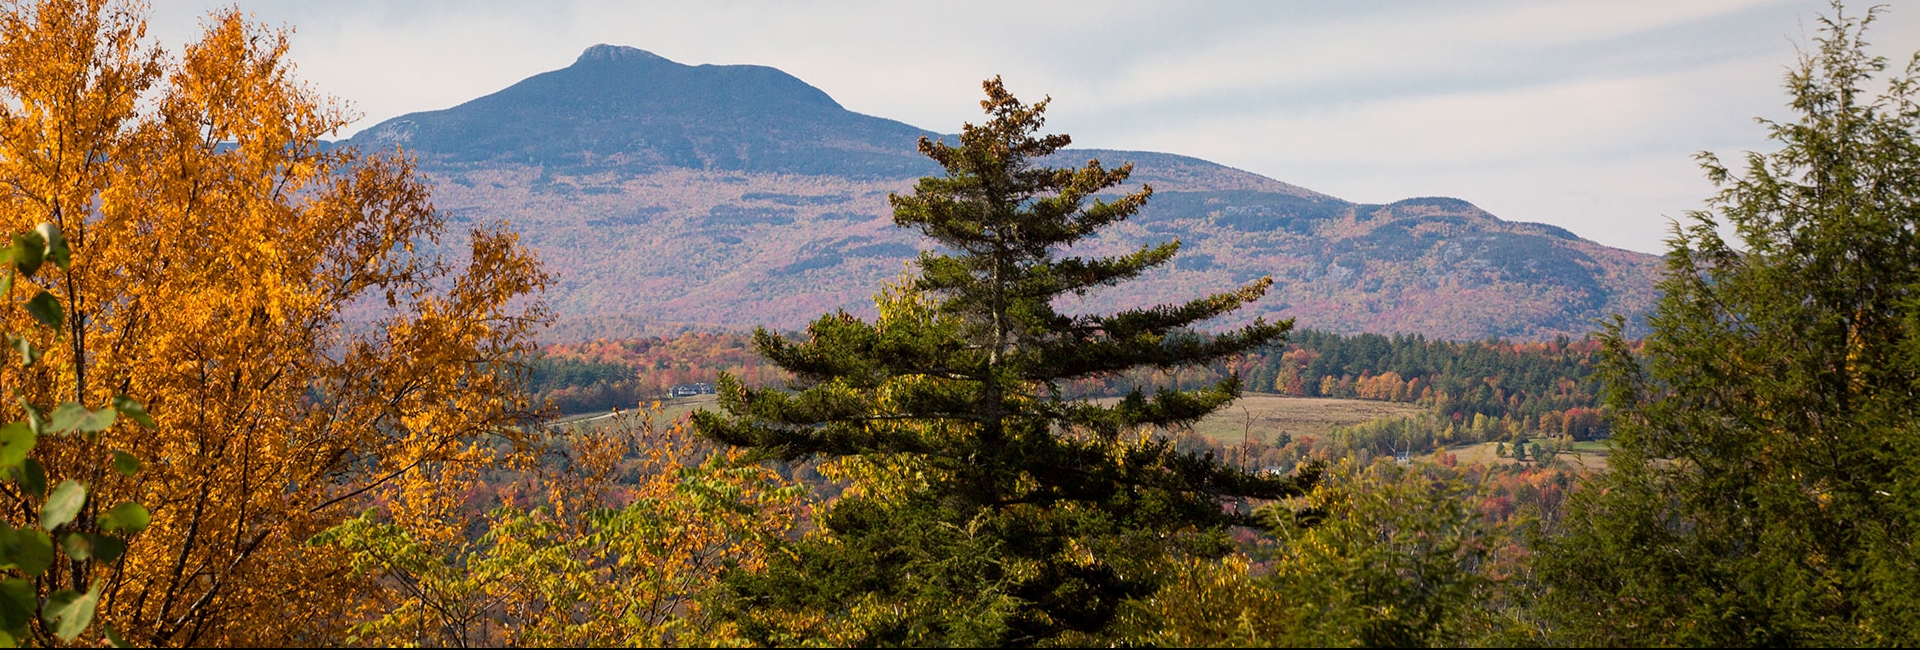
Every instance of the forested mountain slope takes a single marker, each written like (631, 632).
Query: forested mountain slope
(667, 196)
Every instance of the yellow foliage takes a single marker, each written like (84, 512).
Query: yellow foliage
(1377, 555)
(1386, 387)
(631, 526)
(1211, 603)
(282, 308)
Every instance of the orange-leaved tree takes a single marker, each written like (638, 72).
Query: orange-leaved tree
(289, 313)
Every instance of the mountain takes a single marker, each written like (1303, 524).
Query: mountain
(668, 196)
(621, 108)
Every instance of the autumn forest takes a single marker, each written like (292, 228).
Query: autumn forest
(263, 388)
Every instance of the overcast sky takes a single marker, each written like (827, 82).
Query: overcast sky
(1580, 114)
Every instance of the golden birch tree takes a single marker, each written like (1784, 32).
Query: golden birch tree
(304, 332)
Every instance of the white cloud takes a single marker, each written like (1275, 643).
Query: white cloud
(1393, 45)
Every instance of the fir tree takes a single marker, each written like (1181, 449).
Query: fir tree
(994, 509)
(1761, 490)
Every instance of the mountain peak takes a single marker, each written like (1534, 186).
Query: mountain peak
(626, 108)
(604, 53)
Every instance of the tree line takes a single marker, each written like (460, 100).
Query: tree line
(1475, 391)
(607, 374)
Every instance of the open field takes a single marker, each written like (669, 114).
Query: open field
(1588, 455)
(1264, 416)
(1269, 416)
(1600, 447)
(670, 410)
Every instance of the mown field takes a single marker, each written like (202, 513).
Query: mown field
(1264, 416)
(1260, 415)
(663, 411)
(1586, 454)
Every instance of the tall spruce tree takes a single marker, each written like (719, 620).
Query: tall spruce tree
(996, 510)
(1765, 480)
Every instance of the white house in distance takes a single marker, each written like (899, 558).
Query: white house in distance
(690, 390)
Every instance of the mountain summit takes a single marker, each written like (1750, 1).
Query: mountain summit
(626, 108)
(604, 53)
(666, 196)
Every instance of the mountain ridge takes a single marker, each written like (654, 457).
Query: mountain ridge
(672, 196)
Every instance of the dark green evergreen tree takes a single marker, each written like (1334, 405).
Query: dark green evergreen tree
(1014, 514)
(1765, 478)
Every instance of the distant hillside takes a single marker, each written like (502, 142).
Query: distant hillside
(668, 196)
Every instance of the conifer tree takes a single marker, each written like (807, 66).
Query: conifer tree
(1761, 490)
(997, 510)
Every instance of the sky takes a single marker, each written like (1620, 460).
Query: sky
(1586, 115)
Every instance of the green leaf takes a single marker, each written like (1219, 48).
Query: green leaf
(67, 416)
(6, 283)
(106, 548)
(77, 546)
(28, 251)
(124, 463)
(68, 613)
(113, 637)
(74, 417)
(134, 411)
(16, 439)
(9, 545)
(99, 420)
(46, 309)
(35, 419)
(63, 504)
(56, 244)
(32, 477)
(127, 518)
(6, 640)
(28, 353)
(88, 546)
(35, 552)
(17, 602)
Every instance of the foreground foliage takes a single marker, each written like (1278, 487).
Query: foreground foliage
(608, 533)
(282, 308)
(1762, 487)
(44, 599)
(1376, 555)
